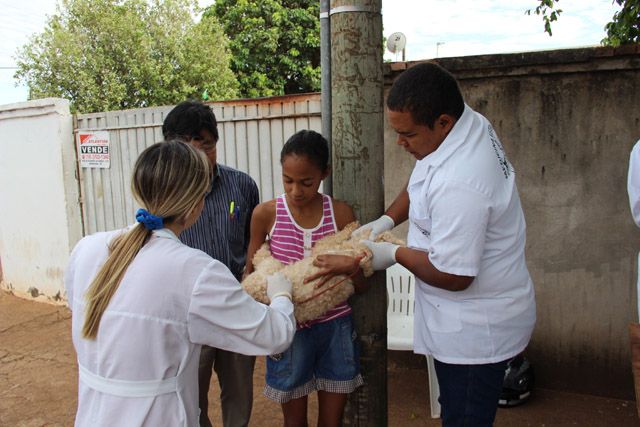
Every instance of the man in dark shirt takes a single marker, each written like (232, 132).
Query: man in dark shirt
(222, 231)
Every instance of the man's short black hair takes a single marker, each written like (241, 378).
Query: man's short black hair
(188, 119)
(426, 91)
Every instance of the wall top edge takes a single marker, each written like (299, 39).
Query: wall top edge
(36, 107)
(627, 56)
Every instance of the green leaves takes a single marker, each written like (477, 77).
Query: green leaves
(275, 44)
(114, 54)
(546, 8)
(624, 26)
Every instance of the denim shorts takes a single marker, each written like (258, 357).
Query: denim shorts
(324, 356)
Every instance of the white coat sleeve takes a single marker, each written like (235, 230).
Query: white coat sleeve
(222, 315)
(69, 273)
(459, 227)
(633, 183)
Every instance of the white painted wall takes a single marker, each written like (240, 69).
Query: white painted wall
(39, 211)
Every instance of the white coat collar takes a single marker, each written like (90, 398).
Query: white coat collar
(451, 143)
(166, 233)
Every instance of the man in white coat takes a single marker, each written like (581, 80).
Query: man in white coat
(475, 305)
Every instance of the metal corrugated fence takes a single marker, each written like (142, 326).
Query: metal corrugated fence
(252, 133)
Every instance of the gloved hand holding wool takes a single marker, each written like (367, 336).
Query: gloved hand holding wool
(384, 254)
(373, 229)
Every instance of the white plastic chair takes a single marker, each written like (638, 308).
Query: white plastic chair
(400, 311)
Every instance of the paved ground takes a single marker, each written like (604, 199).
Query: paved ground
(38, 382)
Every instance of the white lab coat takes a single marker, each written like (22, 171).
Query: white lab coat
(142, 368)
(465, 213)
(633, 183)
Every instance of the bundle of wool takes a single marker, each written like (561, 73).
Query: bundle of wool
(309, 302)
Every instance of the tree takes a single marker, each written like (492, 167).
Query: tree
(624, 26)
(549, 14)
(115, 54)
(275, 44)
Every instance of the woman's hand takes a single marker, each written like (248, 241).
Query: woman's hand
(333, 265)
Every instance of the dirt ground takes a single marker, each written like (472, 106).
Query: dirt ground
(38, 383)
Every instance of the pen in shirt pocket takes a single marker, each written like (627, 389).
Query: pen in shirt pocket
(234, 210)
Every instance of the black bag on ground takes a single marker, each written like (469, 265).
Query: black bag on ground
(518, 382)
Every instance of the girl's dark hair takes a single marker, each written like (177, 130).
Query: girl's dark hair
(426, 91)
(188, 119)
(310, 144)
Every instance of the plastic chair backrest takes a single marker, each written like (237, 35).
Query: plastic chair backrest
(400, 308)
(400, 287)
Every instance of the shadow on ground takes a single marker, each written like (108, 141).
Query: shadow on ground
(38, 383)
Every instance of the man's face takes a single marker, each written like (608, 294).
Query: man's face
(417, 139)
(205, 142)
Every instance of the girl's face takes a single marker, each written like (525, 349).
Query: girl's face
(301, 179)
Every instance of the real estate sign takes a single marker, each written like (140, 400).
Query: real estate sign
(93, 149)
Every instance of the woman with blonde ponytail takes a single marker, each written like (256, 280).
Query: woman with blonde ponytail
(143, 303)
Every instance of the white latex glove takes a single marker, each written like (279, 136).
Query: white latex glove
(379, 226)
(278, 285)
(384, 254)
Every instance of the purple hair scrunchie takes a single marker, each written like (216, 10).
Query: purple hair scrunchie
(150, 221)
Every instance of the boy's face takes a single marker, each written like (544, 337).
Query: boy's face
(417, 139)
(206, 142)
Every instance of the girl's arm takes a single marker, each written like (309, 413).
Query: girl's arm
(343, 213)
(334, 265)
(261, 222)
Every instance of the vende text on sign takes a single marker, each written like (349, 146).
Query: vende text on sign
(93, 149)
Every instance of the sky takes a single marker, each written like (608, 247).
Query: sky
(432, 28)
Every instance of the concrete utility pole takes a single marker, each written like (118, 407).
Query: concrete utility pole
(325, 70)
(358, 163)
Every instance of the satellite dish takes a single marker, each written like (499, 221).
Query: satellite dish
(396, 42)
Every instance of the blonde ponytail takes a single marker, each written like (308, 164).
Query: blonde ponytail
(169, 179)
(123, 250)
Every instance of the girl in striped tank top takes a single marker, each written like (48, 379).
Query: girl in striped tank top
(324, 354)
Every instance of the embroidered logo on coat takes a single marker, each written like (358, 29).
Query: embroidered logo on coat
(424, 232)
(506, 167)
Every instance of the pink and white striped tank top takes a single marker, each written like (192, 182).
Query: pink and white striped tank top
(290, 242)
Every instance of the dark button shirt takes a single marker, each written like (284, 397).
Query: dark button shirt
(219, 232)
